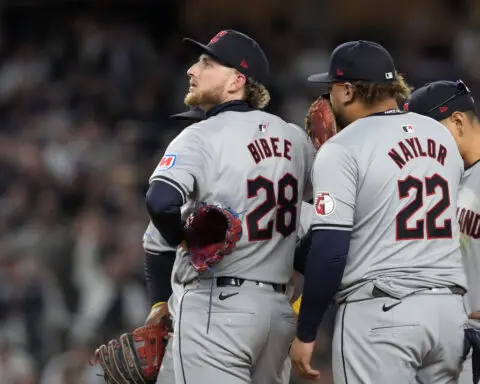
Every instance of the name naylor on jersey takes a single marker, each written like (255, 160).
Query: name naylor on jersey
(266, 148)
(469, 222)
(167, 162)
(413, 148)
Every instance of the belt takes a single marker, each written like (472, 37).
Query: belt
(225, 281)
(455, 289)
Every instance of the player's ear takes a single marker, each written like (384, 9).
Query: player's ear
(458, 122)
(236, 82)
(348, 92)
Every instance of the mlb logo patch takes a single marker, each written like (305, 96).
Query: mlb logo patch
(388, 75)
(324, 203)
(262, 127)
(167, 162)
(407, 128)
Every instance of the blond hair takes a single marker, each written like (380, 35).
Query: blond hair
(256, 95)
(371, 93)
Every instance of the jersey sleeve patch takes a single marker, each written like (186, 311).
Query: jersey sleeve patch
(324, 203)
(167, 162)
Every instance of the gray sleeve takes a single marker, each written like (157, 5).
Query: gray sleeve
(185, 162)
(334, 177)
(305, 219)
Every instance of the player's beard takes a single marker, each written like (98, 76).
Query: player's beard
(212, 96)
(340, 120)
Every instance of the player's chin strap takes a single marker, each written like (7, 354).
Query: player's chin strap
(211, 297)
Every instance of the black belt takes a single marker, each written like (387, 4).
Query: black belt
(455, 289)
(225, 281)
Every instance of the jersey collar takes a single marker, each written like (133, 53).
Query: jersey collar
(388, 112)
(472, 165)
(235, 105)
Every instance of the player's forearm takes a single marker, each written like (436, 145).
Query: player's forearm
(158, 270)
(323, 274)
(301, 252)
(163, 205)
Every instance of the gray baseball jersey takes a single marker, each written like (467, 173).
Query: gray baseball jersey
(469, 220)
(392, 180)
(262, 177)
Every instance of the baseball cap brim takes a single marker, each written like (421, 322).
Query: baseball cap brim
(202, 48)
(320, 78)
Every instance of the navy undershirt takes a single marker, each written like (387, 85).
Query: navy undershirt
(325, 264)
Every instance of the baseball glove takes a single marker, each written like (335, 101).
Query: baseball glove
(211, 233)
(320, 122)
(136, 357)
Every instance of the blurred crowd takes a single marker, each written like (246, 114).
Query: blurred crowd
(86, 91)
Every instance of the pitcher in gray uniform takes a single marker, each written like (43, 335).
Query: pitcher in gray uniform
(258, 165)
(452, 104)
(385, 240)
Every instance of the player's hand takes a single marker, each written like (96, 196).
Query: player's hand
(301, 355)
(157, 313)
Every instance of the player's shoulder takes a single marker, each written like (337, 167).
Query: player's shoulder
(198, 129)
(375, 128)
(472, 173)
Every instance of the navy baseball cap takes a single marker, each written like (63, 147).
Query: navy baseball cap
(194, 113)
(237, 50)
(358, 60)
(440, 99)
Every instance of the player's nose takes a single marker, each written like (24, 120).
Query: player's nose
(192, 70)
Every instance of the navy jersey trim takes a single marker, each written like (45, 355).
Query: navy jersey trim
(390, 112)
(324, 226)
(174, 184)
(342, 344)
(234, 105)
(472, 165)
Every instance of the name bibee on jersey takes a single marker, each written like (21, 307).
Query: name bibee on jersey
(256, 164)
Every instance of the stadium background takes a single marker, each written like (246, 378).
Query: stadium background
(86, 88)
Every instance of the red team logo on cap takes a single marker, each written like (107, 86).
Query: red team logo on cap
(324, 204)
(217, 36)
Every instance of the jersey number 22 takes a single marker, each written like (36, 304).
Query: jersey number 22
(283, 205)
(428, 226)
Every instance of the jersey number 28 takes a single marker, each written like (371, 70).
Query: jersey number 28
(282, 203)
(428, 226)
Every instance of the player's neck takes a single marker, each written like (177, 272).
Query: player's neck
(472, 154)
(378, 107)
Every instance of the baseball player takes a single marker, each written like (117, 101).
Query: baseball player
(385, 239)
(156, 246)
(452, 104)
(233, 324)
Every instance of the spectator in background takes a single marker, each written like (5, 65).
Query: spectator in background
(86, 91)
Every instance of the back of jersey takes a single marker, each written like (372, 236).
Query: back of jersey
(258, 165)
(469, 220)
(398, 195)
